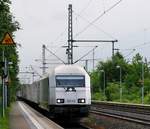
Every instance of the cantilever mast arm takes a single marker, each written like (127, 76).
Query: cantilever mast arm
(85, 54)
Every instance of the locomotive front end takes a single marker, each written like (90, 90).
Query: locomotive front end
(73, 94)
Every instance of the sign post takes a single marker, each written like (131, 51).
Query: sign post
(6, 41)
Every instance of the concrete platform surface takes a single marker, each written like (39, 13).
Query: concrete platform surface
(24, 117)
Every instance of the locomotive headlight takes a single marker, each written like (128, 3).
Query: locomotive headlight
(60, 100)
(81, 100)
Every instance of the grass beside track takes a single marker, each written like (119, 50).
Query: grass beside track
(4, 122)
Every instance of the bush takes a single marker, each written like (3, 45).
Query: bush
(147, 99)
(132, 95)
(98, 96)
(112, 92)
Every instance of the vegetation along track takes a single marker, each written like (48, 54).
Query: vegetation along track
(130, 112)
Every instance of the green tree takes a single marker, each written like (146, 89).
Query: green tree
(8, 24)
(134, 75)
(131, 79)
(110, 68)
(95, 81)
(111, 74)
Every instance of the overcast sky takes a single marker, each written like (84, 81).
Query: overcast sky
(45, 22)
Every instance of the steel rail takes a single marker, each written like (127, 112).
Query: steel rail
(122, 111)
(134, 108)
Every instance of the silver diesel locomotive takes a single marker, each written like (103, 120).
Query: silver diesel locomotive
(64, 90)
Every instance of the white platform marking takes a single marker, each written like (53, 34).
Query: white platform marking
(38, 126)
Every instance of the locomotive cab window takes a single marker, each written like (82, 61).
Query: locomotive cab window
(70, 81)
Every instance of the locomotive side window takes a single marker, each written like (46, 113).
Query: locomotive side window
(70, 81)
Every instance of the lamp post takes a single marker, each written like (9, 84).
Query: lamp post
(118, 67)
(104, 79)
(142, 82)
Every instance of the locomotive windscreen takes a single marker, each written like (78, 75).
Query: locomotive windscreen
(70, 81)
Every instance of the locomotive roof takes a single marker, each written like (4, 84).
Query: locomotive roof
(68, 69)
(65, 69)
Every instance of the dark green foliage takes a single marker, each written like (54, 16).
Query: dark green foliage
(112, 92)
(95, 81)
(8, 24)
(131, 79)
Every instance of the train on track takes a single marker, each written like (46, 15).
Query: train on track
(64, 90)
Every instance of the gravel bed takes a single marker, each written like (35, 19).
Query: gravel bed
(104, 122)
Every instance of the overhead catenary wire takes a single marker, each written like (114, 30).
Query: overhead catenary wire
(35, 71)
(96, 27)
(103, 5)
(97, 18)
(143, 44)
(55, 55)
(62, 33)
(86, 6)
(137, 46)
(134, 48)
(129, 53)
(91, 23)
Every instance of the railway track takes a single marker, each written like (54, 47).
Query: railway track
(64, 122)
(71, 124)
(130, 112)
(75, 126)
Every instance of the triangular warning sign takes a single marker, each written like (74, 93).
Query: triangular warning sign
(7, 40)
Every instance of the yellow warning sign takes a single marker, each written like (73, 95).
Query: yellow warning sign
(7, 40)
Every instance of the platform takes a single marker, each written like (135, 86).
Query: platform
(24, 117)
